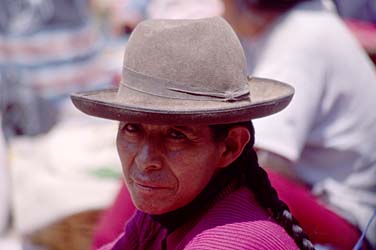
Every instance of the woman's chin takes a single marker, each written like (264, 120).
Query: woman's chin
(149, 209)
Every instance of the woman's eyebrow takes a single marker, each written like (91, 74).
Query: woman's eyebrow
(185, 128)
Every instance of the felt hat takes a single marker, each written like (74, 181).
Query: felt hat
(185, 72)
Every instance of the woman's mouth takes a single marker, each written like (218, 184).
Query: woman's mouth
(148, 186)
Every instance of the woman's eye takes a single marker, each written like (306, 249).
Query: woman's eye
(131, 127)
(177, 135)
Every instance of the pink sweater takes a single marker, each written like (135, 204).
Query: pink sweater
(234, 222)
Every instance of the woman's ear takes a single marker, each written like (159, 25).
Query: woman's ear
(235, 142)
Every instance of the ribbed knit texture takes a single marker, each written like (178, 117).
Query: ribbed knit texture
(235, 222)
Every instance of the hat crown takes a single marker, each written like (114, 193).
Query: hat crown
(203, 54)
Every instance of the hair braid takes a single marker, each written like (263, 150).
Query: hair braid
(257, 180)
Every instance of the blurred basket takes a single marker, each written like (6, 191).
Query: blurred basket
(73, 232)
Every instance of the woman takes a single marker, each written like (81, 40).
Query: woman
(185, 141)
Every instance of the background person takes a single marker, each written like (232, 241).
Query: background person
(325, 138)
(49, 48)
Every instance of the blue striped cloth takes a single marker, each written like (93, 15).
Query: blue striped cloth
(48, 49)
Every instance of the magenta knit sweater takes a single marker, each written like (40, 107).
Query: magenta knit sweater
(234, 222)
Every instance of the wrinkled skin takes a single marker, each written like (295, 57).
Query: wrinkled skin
(166, 166)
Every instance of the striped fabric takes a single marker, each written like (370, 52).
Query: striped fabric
(235, 222)
(56, 62)
(48, 49)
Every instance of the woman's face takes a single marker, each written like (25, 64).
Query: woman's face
(167, 166)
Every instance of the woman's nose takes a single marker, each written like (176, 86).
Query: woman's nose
(149, 156)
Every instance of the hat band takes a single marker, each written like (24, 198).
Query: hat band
(171, 89)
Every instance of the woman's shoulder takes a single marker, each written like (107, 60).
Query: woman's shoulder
(243, 235)
(238, 221)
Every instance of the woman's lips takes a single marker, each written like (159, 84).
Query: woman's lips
(148, 186)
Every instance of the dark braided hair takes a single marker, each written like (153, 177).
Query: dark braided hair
(257, 180)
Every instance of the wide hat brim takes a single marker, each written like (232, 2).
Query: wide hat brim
(266, 97)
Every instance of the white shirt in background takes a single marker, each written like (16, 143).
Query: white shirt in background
(329, 129)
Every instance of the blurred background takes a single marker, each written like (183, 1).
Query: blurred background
(59, 168)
